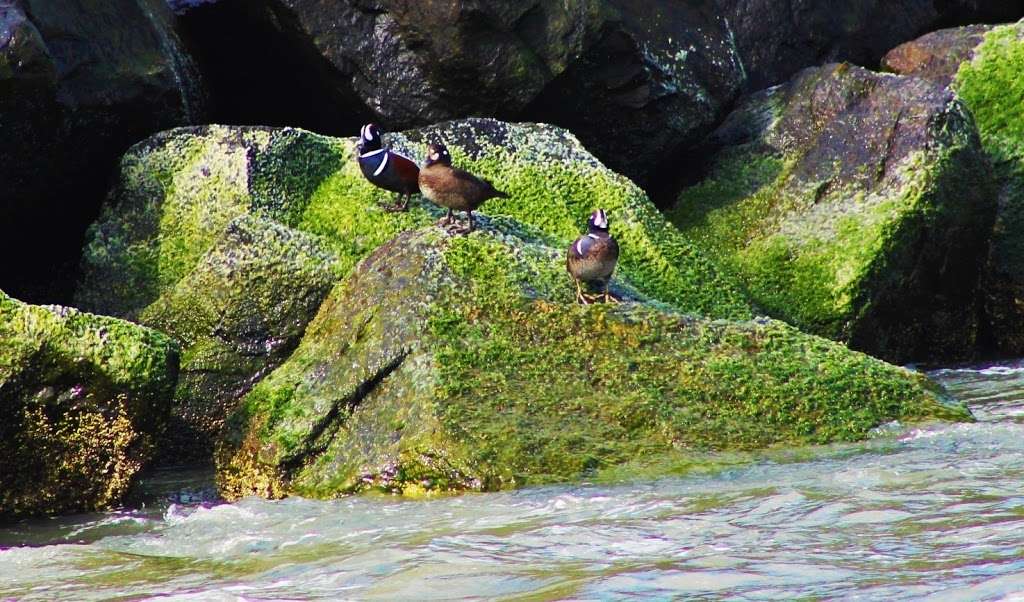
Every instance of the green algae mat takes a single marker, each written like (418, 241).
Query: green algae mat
(83, 399)
(330, 346)
(461, 363)
(854, 205)
(229, 238)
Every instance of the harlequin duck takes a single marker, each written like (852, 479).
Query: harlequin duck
(385, 168)
(592, 257)
(453, 188)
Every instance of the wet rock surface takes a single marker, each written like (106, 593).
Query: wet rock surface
(777, 39)
(84, 399)
(451, 363)
(228, 238)
(854, 205)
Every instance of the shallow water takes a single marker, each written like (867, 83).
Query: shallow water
(934, 513)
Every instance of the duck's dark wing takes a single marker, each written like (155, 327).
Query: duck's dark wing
(582, 247)
(391, 171)
(405, 171)
(594, 246)
(475, 186)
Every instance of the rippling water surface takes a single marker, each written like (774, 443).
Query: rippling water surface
(934, 514)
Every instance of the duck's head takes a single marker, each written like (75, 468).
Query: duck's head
(438, 153)
(598, 221)
(370, 138)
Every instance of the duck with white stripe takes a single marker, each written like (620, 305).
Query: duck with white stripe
(591, 258)
(385, 168)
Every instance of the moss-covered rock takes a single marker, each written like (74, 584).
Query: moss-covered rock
(177, 191)
(82, 399)
(462, 363)
(854, 205)
(164, 240)
(982, 65)
(238, 314)
(991, 85)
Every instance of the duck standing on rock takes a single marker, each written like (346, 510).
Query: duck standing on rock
(592, 257)
(385, 168)
(453, 188)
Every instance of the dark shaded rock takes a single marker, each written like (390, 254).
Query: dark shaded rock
(79, 82)
(228, 237)
(936, 56)
(651, 75)
(990, 84)
(255, 73)
(777, 39)
(183, 6)
(854, 205)
(636, 80)
(982, 65)
(462, 363)
(83, 398)
(657, 79)
(414, 63)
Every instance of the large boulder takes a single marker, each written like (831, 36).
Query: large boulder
(447, 363)
(229, 237)
(238, 314)
(778, 39)
(634, 79)
(938, 55)
(854, 205)
(79, 82)
(990, 84)
(83, 398)
(982, 65)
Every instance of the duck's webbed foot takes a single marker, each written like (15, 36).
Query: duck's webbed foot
(581, 297)
(398, 207)
(453, 226)
(608, 297)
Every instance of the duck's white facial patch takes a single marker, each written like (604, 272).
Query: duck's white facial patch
(600, 219)
(435, 157)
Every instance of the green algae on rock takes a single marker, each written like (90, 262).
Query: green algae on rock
(178, 190)
(853, 205)
(990, 84)
(83, 398)
(154, 251)
(461, 363)
(238, 314)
